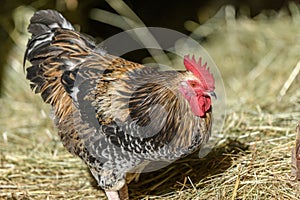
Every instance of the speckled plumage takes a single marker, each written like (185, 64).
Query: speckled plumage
(114, 114)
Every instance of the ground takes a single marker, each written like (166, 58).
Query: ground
(259, 62)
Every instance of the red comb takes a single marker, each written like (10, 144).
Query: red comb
(200, 70)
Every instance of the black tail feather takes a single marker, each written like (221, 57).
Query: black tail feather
(45, 20)
(47, 66)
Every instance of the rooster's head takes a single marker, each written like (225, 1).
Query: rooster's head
(198, 87)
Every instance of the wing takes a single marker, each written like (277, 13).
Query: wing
(141, 114)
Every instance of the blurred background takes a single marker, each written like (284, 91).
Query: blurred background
(255, 44)
(101, 19)
(241, 36)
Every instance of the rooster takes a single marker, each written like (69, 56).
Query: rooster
(114, 114)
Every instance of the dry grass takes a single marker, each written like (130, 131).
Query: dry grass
(256, 58)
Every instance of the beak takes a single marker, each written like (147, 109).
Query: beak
(212, 94)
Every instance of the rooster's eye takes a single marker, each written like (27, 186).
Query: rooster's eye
(193, 84)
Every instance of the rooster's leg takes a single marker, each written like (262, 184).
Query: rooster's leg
(121, 195)
(112, 195)
(123, 192)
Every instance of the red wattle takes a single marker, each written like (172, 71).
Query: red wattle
(200, 105)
